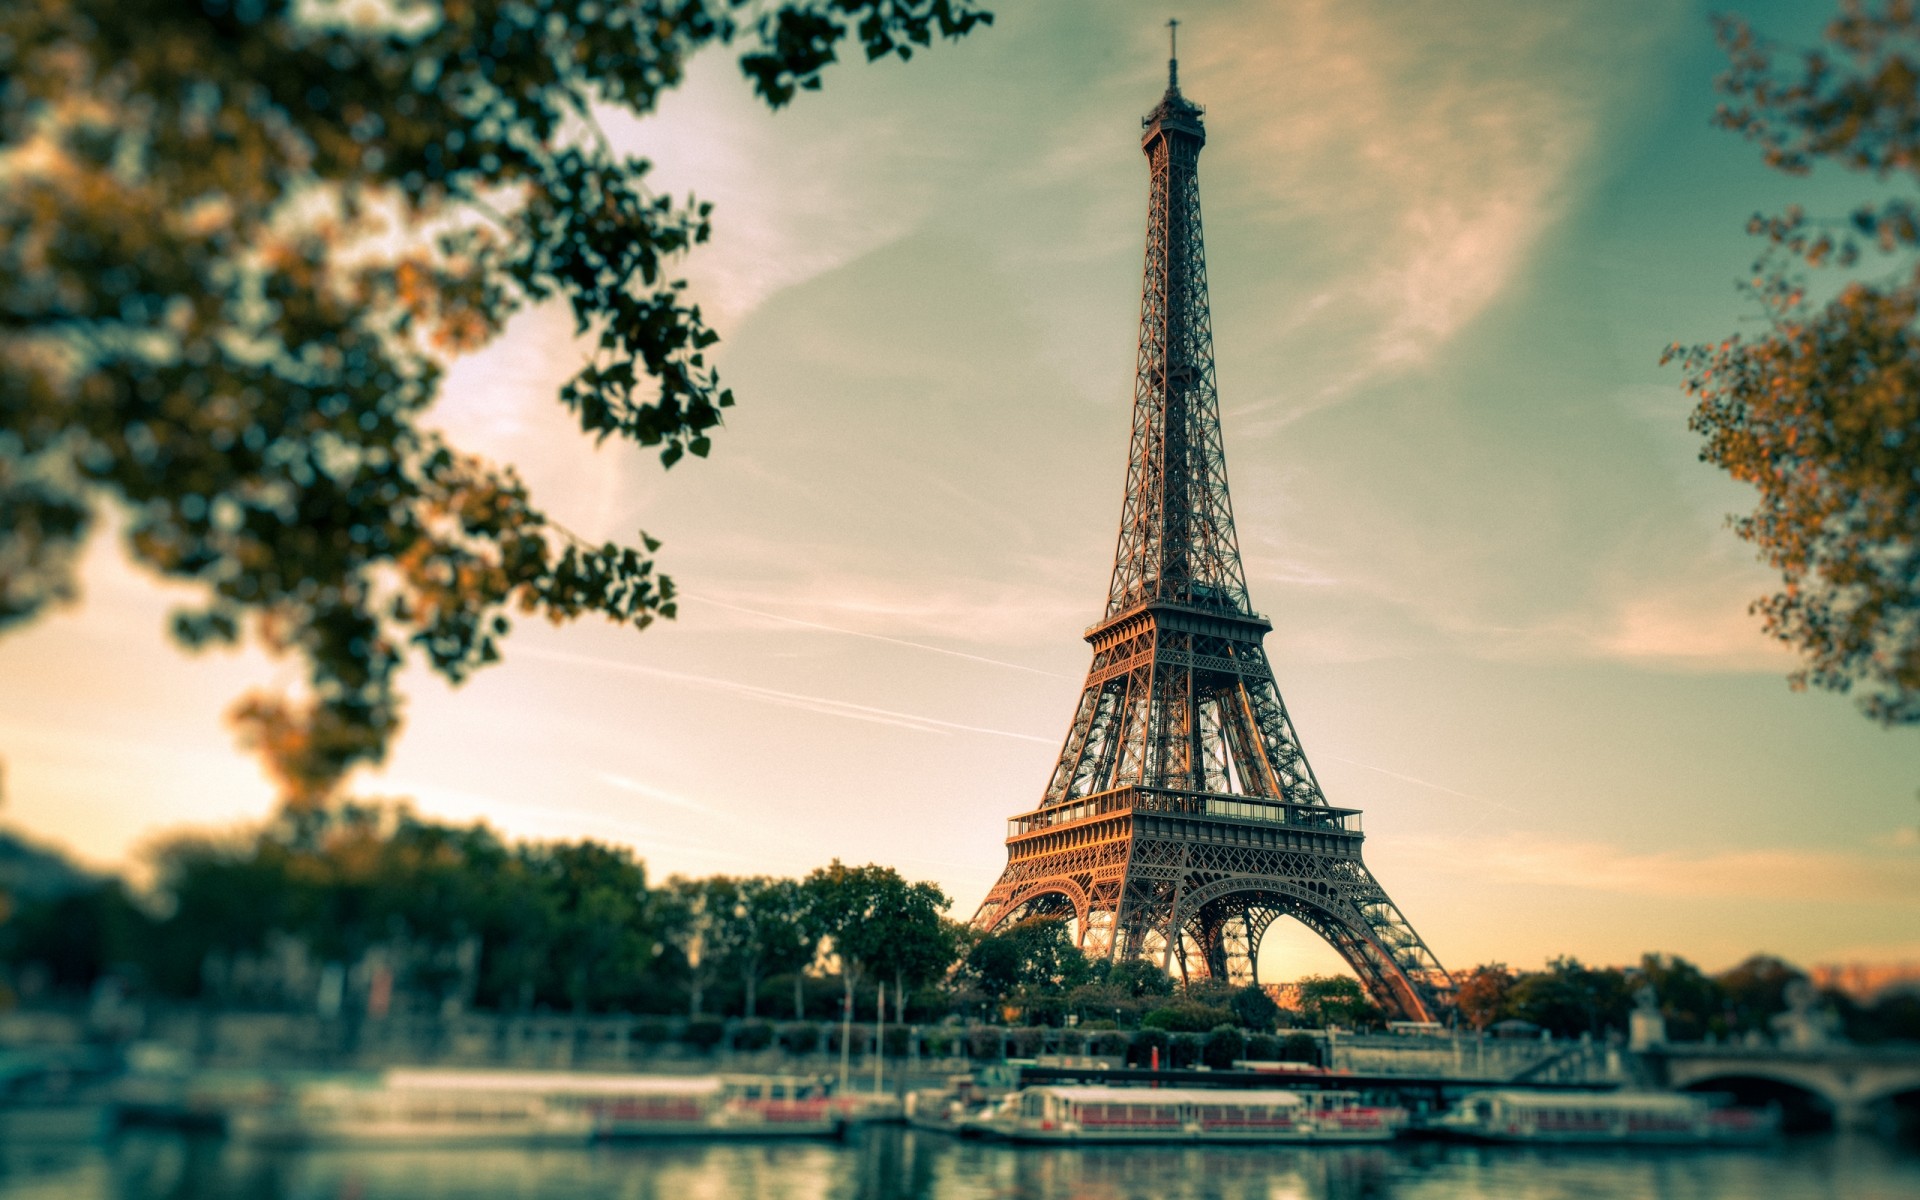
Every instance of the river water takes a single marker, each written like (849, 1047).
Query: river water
(892, 1163)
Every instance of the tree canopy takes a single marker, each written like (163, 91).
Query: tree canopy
(1821, 412)
(238, 244)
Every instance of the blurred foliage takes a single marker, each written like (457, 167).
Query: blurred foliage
(1336, 1000)
(238, 244)
(463, 919)
(1821, 413)
(1481, 995)
(1186, 1016)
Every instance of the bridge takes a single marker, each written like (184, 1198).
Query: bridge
(1853, 1086)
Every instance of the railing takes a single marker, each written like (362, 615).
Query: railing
(1139, 799)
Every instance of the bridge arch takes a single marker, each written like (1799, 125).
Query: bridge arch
(1806, 1104)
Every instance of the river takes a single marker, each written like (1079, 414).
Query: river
(891, 1163)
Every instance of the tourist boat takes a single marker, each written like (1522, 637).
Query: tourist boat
(451, 1107)
(709, 1106)
(409, 1108)
(1100, 1113)
(1604, 1118)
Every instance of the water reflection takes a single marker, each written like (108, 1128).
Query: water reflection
(896, 1164)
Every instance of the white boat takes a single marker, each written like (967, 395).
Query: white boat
(453, 1107)
(719, 1105)
(395, 1110)
(1604, 1118)
(1099, 1113)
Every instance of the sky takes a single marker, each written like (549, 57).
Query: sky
(1447, 244)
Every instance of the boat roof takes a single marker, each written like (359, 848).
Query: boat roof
(427, 1079)
(1642, 1100)
(1139, 1095)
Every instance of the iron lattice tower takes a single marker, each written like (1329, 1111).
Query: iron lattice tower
(1182, 818)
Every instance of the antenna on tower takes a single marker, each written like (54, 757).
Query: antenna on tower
(1173, 55)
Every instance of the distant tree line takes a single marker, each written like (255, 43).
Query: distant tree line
(1569, 998)
(458, 918)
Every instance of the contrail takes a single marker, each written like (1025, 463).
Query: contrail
(651, 792)
(1424, 783)
(818, 704)
(876, 637)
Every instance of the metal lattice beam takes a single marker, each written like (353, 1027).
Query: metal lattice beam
(1182, 817)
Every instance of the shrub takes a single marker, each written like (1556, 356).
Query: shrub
(1263, 1047)
(1108, 1044)
(940, 1043)
(1145, 1042)
(704, 1033)
(1072, 1041)
(1299, 1047)
(801, 1037)
(1223, 1046)
(753, 1035)
(896, 1040)
(1184, 1016)
(983, 1042)
(1184, 1049)
(1025, 1042)
(652, 1030)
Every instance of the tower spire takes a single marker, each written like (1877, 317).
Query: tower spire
(1173, 55)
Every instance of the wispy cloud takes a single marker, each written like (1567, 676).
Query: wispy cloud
(1427, 166)
(876, 637)
(823, 705)
(1816, 876)
(650, 792)
(1425, 783)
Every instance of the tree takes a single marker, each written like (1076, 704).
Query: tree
(1335, 1000)
(1254, 1009)
(1187, 1016)
(919, 943)
(771, 935)
(1755, 991)
(1821, 413)
(1690, 1002)
(238, 243)
(602, 933)
(696, 921)
(1570, 998)
(1032, 960)
(1482, 995)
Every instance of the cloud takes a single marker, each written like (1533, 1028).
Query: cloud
(1426, 166)
(822, 705)
(1540, 860)
(651, 792)
(824, 628)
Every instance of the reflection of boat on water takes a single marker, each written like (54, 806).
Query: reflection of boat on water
(1098, 1113)
(452, 1107)
(1604, 1118)
(52, 1095)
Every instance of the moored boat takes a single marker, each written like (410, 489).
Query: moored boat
(389, 1111)
(1098, 1113)
(1604, 1118)
(429, 1107)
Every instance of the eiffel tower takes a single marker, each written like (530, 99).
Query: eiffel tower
(1182, 818)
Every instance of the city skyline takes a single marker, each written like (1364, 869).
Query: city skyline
(1446, 253)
